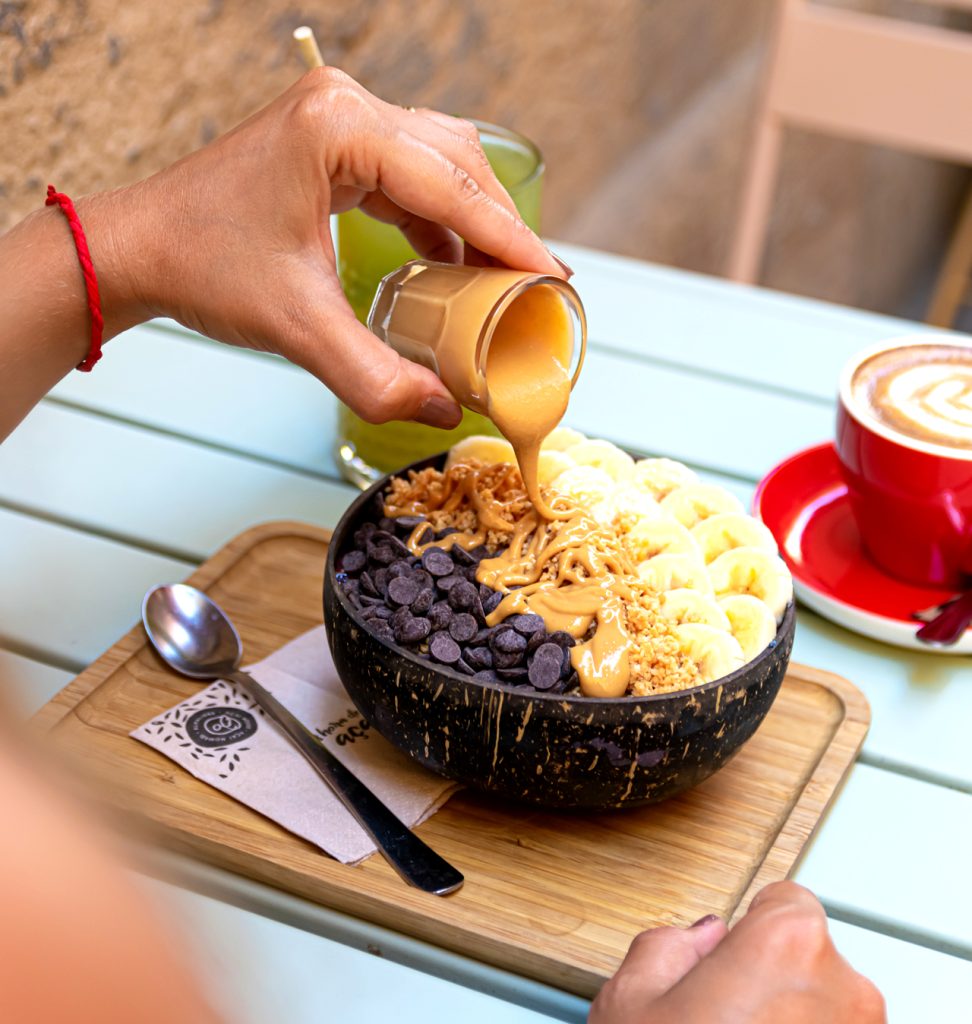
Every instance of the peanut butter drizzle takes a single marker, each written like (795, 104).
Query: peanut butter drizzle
(570, 570)
(526, 376)
(571, 574)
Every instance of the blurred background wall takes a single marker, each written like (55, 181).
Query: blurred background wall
(643, 109)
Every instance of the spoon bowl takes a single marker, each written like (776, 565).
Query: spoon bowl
(191, 632)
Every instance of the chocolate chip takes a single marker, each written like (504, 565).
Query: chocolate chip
(380, 578)
(463, 596)
(381, 611)
(423, 603)
(502, 659)
(362, 534)
(426, 536)
(368, 584)
(368, 599)
(437, 561)
(527, 625)
(382, 630)
(479, 553)
(491, 603)
(405, 524)
(546, 666)
(399, 568)
(562, 639)
(403, 590)
(446, 583)
(507, 641)
(462, 556)
(386, 523)
(464, 668)
(512, 675)
(399, 547)
(479, 657)
(424, 578)
(487, 675)
(380, 554)
(482, 637)
(443, 648)
(414, 631)
(440, 615)
(447, 532)
(463, 628)
(353, 561)
(399, 617)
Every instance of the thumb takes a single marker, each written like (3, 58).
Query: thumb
(657, 960)
(326, 339)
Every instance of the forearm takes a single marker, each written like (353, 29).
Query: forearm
(45, 324)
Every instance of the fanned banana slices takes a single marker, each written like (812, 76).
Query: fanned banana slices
(716, 569)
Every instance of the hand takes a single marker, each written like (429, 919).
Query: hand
(778, 965)
(234, 241)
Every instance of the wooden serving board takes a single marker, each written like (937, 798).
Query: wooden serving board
(555, 897)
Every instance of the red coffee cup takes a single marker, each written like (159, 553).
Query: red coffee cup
(911, 497)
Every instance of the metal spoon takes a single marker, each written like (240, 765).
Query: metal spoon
(952, 620)
(196, 638)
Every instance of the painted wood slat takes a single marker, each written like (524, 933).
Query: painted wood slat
(168, 494)
(895, 846)
(720, 327)
(921, 704)
(918, 984)
(231, 399)
(257, 970)
(71, 595)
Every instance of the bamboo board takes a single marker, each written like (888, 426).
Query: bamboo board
(555, 897)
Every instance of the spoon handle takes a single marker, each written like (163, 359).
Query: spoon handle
(416, 862)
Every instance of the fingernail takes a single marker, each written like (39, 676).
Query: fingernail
(560, 263)
(439, 411)
(703, 921)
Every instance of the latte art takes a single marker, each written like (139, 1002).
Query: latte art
(921, 391)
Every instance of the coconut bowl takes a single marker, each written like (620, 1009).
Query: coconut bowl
(551, 750)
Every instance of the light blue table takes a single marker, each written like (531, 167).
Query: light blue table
(131, 475)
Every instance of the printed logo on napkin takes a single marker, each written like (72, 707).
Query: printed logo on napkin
(222, 737)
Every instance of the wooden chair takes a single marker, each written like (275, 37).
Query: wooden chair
(870, 78)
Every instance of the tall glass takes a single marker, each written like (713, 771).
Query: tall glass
(367, 250)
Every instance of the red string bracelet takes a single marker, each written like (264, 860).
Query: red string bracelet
(90, 280)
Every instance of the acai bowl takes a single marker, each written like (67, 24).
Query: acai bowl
(500, 704)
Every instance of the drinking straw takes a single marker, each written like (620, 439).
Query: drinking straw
(310, 52)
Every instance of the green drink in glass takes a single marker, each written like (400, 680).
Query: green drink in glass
(367, 250)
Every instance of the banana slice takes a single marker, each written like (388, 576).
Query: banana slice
(626, 506)
(672, 571)
(751, 622)
(716, 652)
(694, 502)
(561, 438)
(481, 448)
(660, 476)
(727, 530)
(552, 464)
(603, 455)
(684, 605)
(756, 572)
(659, 536)
(586, 484)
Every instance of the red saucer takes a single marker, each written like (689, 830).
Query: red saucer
(804, 503)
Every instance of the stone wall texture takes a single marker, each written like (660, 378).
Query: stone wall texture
(643, 108)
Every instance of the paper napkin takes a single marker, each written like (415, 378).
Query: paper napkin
(223, 738)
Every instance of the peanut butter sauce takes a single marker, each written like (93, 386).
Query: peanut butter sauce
(568, 569)
(527, 381)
